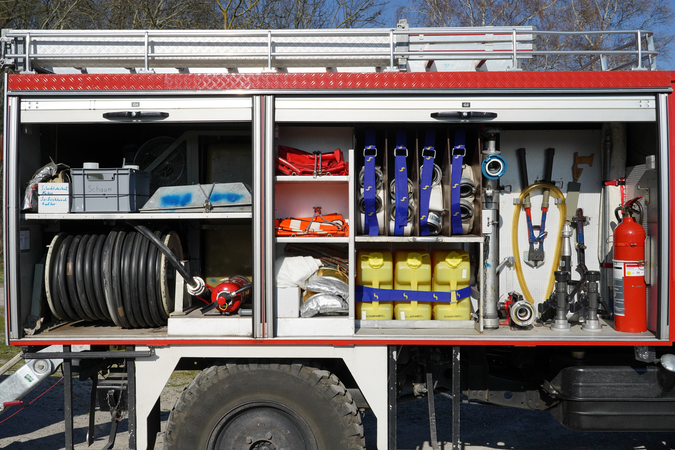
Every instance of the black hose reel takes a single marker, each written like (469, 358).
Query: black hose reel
(126, 276)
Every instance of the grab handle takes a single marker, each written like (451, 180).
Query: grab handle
(136, 115)
(464, 116)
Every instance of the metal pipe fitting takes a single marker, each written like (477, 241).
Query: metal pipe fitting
(562, 303)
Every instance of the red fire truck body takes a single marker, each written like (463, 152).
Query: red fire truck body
(236, 203)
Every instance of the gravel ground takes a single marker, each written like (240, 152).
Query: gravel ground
(40, 426)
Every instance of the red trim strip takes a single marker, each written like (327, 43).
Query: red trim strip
(339, 81)
(340, 343)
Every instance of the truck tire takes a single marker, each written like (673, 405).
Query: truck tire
(264, 406)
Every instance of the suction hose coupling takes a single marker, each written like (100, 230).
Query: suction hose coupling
(493, 166)
(196, 286)
(198, 289)
(379, 176)
(522, 313)
(467, 213)
(467, 189)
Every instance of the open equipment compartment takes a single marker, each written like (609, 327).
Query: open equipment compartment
(210, 149)
(218, 146)
(596, 128)
(313, 230)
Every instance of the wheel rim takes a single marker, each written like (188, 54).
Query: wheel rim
(262, 426)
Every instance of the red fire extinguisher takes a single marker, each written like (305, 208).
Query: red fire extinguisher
(229, 295)
(630, 290)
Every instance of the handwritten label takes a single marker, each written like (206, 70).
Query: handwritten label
(53, 188)
(53, 203)
(96, 189)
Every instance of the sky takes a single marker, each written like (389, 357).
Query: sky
(390, 21)
(671, 64)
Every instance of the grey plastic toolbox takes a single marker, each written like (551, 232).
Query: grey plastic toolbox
(106, 190)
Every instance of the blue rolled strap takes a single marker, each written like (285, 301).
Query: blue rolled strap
(369, 186)
(428, 156)
(368, 294)
(458, 153)
(401, 183)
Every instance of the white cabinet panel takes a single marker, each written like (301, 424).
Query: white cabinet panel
(53, 110)
(568, 108)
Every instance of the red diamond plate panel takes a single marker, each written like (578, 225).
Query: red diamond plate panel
(350, 81)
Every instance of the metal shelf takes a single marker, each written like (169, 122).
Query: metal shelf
(419, 239)
(139, 216)
(311, 179)
(313, 240)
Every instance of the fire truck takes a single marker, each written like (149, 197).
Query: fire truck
(323, 222)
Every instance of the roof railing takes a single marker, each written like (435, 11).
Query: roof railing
(391, 49)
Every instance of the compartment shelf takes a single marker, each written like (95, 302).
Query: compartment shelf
(313, 240)
(311, 179)
(414, 324)
(419, 239)
(138, 216)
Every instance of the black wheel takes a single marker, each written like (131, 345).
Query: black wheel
(265, 407)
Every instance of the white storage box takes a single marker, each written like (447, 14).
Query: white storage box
(53, 204)
(53, 198)
(53, 188)
(288, 301)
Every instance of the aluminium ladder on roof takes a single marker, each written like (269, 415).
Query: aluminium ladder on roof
(392, 49)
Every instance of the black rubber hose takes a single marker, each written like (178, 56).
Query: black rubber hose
(78, 268)
(82, 312)
(85, 275)
(106, 277)
(137, 281)
(156, 320)
(140, 250)
(125, 281)
(120, 276)
(132, 282)
(122, 313)
(151, 285)
(53, 281)
(61, 280)
(97, 278)
(165, 250)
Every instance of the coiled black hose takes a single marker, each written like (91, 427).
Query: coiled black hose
(120, 276)
(165, 250)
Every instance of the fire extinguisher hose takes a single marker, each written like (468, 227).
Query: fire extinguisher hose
(558, 249)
